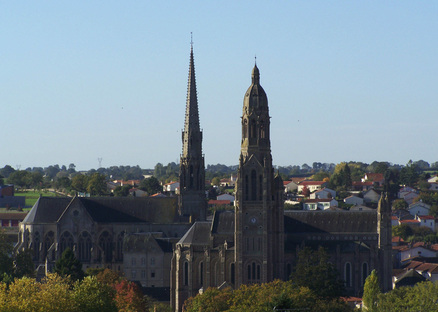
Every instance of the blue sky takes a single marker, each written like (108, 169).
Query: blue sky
(346, 80)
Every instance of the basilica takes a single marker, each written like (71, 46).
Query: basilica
(172, 246)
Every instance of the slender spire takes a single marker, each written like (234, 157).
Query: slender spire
(191, 124)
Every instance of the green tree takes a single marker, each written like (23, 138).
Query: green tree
(90, 295)
(403, 230)
(97, 184)
(69, 265)
(23, 264)
(216, 181)
(313, 270)
(320, 176)
(6, 261)
(122, 191)
(371, 291)
(150, 185)
(20, 178)
(399, 204)
(79, 183)
(6, 171)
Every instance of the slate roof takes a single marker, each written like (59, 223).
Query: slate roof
(197, 235)
(107, 209)
(410, 278)
(223, 222)
(47, 210)
(330, 222)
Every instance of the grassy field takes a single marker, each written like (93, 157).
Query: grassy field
(32, 197)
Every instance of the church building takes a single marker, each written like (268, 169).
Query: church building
(171, 243)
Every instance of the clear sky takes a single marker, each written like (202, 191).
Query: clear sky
(346, 80)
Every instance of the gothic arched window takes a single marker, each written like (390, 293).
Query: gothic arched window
(84, 247)
(232, 273)
(36, 246)
(66, 241)
(347, 274)
(105, 244)
(119, 247)
(186, 273)
(201, 273)
(253, 185)
(49, 239)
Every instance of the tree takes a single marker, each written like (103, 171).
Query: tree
(90, 295)
(6, 261)
(6, 171)
(122, 191)
(20, 178)
(97, 184)
(313, 270)
(23, 264)
(128, 297)
(216, 181)
(399, 204)
(403, 230)
(69, 265)
(79, 183)
(305, 191)
(371, 291)
(150, 185)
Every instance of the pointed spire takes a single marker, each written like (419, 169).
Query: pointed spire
(255, 76)
(192, 115)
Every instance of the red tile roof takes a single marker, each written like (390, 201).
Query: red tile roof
(305, 183)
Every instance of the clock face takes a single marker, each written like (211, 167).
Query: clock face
(253, 220)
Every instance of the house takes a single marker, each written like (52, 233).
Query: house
(319, 204)
(428, 221)
(410, 222)
(376, 178)
(353, 200)
(419, 209)
(426, 269)
(418, 249)
(433, 186)
(311, 185)
(371, 196)
(404, 190)
(409, 278)
(324, 193)
(7, 190)
(433, 179)
(225, 197)
(289, 186)
(145, 256)
(171, 187)
(409, 197)
(228, 182)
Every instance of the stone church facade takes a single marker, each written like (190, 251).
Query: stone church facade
(171, 244)
(259, 241)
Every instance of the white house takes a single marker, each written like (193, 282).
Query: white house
(433, 179)
(320, 204)
(171, 187)
(226, 197)
(353, 200)
(416, 250)
(311, 185)
(428, 221)
(324, 193)
(419, 209)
